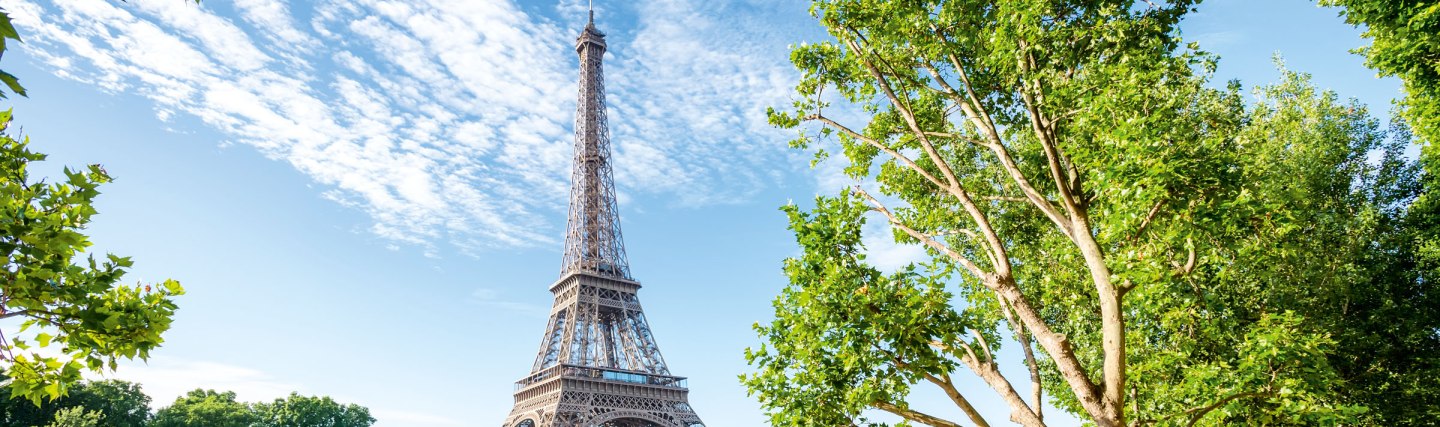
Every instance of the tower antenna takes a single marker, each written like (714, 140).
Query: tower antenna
(592, 11)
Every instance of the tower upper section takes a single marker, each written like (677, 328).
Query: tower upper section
(593, 242)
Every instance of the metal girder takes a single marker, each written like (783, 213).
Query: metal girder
(592, 238)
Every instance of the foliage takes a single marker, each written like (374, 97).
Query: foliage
(121, 403)
(206, 408)
(1302, 235)
(78, 308)
(1388, 327)
(311, 411)
(1395, 350)
(76, 416)
(1160, 252)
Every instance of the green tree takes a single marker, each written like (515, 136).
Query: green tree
(1388, 327)
(76, 417)
(1394, 356)
(76, 306)
(206, 408)
(122, 403)
(1147, 242)
(1312, 232)
(312, 411)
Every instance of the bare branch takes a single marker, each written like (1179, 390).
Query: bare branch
(1149, 216)
(877, 144)
(1006, 199)
(927, 239)
(949, 387)
(956, 136)
(979, 114)
(1189, 266)
(904, 109)
(1021, 336)
(1045, 133)
(985, 345)
(982, 120)
(945, 384)
(1199, 412)
(1020, 412)
(913, 415)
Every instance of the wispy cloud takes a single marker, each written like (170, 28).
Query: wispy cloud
(691, 93)
(444, 121)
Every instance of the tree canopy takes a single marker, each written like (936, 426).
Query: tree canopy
(1161, 251)
(76, 417)
(316, 411)
(120, 403)
(207, 408)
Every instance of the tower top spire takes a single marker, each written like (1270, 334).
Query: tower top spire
(593, 243)
(592, 12)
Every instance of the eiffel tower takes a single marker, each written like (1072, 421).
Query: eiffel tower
(598, 364)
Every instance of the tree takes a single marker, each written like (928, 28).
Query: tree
(1394, 358)
(80, 307)
(76, 417)
(1388, 327)
(1146, 242)
(122, 404)
(312, 411)
(206, 408)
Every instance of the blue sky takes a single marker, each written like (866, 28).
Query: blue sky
(366, 199)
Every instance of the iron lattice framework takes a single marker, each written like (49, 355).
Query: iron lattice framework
(598, 364)
(592, 240)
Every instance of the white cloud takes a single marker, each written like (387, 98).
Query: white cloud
(689, 98)
(444, 121)
(273, 18)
